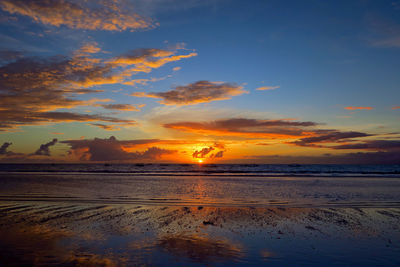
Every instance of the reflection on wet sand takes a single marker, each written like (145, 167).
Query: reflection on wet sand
(85, 234)
(200, 248)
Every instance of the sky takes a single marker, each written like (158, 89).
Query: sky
(192, 81)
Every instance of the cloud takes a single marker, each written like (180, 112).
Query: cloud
(10, 55)
(330, 137)
(392, 157)
(3, 148)
(262, 88)
(219, 154)
(44, 150)
(89, 48)
(123, 107)
(98, 15)
(380, 145)
(244, 127)
(176, 68)
(112, 149)
(106, 127)
(398, 107)
(195, 93)
(30, 88)
(202, 153)
(146, 59)
(359, 108)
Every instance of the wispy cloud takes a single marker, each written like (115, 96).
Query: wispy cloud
(195, 93)
(263, 88)
(106, 127)
(359, 108)
(122, 107)
(246, 128)
(144, 60)
(98, 15)
(331, 136)
(380, 145)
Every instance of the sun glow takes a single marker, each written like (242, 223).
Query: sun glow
(200, 161)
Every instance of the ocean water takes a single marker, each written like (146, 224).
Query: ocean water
(215, 169)
(192, 184)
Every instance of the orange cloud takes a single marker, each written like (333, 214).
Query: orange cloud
(144, 60)
(359, 108)
(88, 48)
(247, 128)
(106, 127)
(398, 107)
(31, 86)
(99, 15)
(195, 93)
(262, 88)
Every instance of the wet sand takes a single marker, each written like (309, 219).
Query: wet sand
(113, 219)
(47, 233)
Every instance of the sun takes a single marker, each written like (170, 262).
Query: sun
(200, 161)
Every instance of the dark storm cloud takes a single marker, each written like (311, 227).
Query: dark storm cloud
(44, 150)
(112, 149)
(195, 93)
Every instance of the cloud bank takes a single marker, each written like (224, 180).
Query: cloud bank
(111, 149)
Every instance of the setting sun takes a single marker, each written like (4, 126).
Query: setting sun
(200, 161)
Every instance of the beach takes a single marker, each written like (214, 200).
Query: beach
(198, 218)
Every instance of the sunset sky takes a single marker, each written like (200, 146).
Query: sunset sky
(220, 81)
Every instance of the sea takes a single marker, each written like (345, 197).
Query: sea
(206, 184)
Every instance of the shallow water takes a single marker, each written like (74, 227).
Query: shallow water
(201, 190)
(81, 217)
